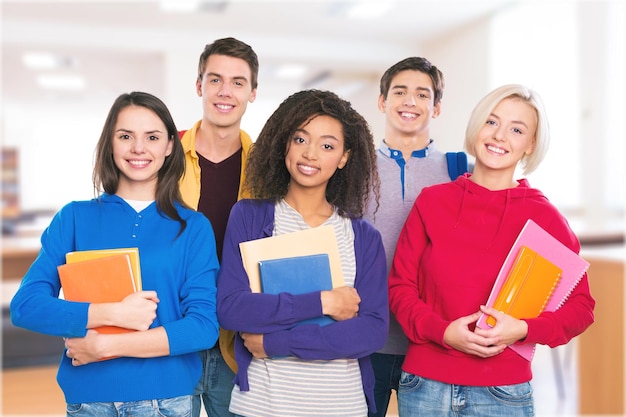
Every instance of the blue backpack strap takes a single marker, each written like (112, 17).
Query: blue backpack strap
(457, 164)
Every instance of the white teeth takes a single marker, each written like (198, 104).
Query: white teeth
(223, 106)
(408, 115)
(139, 164)
(307, 169)
(496, 150)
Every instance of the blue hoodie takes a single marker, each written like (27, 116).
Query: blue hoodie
(182, 270)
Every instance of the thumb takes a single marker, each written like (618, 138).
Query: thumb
(149, 295)
(471, 318)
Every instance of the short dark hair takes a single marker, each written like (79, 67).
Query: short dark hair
(414, 63)
(234, 48)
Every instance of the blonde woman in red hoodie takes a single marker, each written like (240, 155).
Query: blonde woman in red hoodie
(449, 252)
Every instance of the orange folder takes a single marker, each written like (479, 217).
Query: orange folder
(85, 255)
(100, 280)
(528, 286)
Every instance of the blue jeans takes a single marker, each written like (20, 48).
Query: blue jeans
(421, 397)
(387, 370)
(169, 407)
(215, 385)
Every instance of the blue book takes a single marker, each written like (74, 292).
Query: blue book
(297, 275)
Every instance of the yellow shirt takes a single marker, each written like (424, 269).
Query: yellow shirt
(190, 182)
(190, 191)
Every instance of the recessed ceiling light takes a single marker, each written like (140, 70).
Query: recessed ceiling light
(40, 60)
(61, 82)
(368, 9)
(291, 71)
(180, 6)
(47, 61)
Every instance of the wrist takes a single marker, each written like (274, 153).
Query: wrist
(325, 300)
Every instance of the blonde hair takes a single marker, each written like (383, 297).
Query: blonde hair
(485, 107)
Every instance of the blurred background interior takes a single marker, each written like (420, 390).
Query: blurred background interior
(64, 62)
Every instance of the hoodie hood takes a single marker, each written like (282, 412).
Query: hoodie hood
(487, 206)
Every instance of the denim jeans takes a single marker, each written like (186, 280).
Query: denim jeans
(387, 370)
(215, 385)
(169, 407)
(421, 397)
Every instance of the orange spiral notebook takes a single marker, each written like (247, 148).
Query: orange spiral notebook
(528, 286)
(571, 264)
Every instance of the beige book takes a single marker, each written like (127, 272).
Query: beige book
(314, 241)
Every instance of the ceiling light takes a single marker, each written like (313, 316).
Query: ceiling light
(291, 71)
(47, 61)
(368, 9)
(180, 6)
(61, 82)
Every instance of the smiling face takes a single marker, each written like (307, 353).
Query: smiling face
(315, 152)
(226, 90)
(140, 145)
(506, 137)
(409, 106)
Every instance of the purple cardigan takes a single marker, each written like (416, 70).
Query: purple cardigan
(275, 316)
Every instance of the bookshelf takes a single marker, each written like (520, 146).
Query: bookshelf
(10, 183)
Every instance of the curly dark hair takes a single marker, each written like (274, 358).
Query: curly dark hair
(349, 188)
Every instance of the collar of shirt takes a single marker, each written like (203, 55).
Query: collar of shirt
(397, 154)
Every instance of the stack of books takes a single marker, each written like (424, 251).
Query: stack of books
(295, 263)
(538, 275)
(101, 276)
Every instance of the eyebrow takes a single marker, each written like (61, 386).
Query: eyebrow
(236, 77)
(401, 86)
(519, 122)
(132, 131)
(333, 137)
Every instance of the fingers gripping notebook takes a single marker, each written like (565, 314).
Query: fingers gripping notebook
(546, 246)
(528, 287)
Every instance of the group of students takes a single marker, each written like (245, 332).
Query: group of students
(420, 248)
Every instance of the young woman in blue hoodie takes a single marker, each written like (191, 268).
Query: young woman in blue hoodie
(151, 371)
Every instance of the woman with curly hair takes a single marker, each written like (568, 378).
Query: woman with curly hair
(312, 165)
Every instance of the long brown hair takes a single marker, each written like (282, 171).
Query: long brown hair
(106, 175)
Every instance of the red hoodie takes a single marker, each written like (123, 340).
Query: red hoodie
(449, 252)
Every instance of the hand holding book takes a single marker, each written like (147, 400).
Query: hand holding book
(298, 262)
(551, 256)
(528, 286)
(297, 275)
(341, 303)
(106, 276)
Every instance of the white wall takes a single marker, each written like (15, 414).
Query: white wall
(463, 58)
(56, 142)
(570, 53)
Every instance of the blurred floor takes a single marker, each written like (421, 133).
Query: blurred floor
(32, 391)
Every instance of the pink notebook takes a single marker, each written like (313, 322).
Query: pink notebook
(572, 265)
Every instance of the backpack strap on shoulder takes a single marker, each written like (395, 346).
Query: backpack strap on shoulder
(457, 164)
